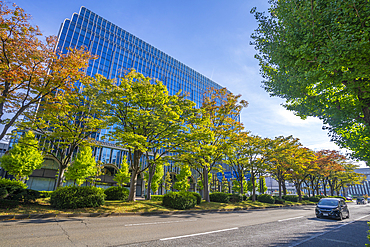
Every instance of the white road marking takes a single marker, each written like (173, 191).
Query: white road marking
(320, 234)
(157, 223)
(197, 234)
(291, 218)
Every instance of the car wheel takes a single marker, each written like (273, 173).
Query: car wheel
(318, 216)
(340, 216)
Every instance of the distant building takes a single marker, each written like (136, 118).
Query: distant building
(361, 189)
(3, 148)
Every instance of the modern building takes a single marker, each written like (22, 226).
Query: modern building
(118, 51)
(360, 189)
(3, 148)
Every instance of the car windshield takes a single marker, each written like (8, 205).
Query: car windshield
(328, 203)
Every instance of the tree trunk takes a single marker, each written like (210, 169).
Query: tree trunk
(324, 187)
(205, 184)
(298, 188)
(241, 184)
(133, 182)
(253, 188)
(280, 182)
(62, 168)
(151, 171)
(135, 172)
(284, 187)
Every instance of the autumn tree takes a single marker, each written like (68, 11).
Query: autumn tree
(255, 152)
(145, 119)
(23, 158)
(82, 167)
(68, 120)
(209, 138)
(301, 164)
(309, 55)
(278, 155)
(31, 70)
(122, 177)
(236, 159)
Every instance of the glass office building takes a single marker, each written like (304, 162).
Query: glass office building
(118, 51)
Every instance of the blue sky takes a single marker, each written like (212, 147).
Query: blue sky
(210, 36)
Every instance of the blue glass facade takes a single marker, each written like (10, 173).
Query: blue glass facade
(118, 51)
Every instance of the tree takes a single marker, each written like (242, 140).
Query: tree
(262, 188)
(145, 119)
(278, 156)
(235, 157)
(255, 152)
(68, 120)
(157, 177)
(209, 137)
(122, 177)
(167, 182)
(309, 55)
(237, 187)
(83, 166)
(301, 164)
(31, 70)
(23, 158)
(182, 183)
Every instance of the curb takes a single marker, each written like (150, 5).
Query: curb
(54, 215)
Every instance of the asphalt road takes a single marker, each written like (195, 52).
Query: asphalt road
(292, 226)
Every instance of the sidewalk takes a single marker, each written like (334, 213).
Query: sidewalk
(52, 215)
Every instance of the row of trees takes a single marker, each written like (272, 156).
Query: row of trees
(72, 109)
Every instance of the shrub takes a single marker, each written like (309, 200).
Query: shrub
(235, 198)
(45, 194)
(14, 190)
(291, 198)
(266, 198)
(314, 199)
(219, 197)
(305, 197)
(198, 196)
(278, 200)
(116, 193)
(77, 197)
(156, 198)
(245, 197)
(12, 183)
(179, 200)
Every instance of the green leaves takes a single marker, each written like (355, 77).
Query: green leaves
(314, 55)
(82, 167)
(23, 158)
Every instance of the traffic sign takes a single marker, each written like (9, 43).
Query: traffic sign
(228, 175)
(219, 176)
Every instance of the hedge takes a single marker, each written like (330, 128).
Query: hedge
(291, 198)
(13, 192)
(179, 200)
(77, 197)
(235, 198)
(219, 197)
(156, 198)
(266, 198)
(198, 196)
(116, 193)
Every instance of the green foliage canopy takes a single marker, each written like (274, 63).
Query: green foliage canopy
(315, 54)
(23, 158)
